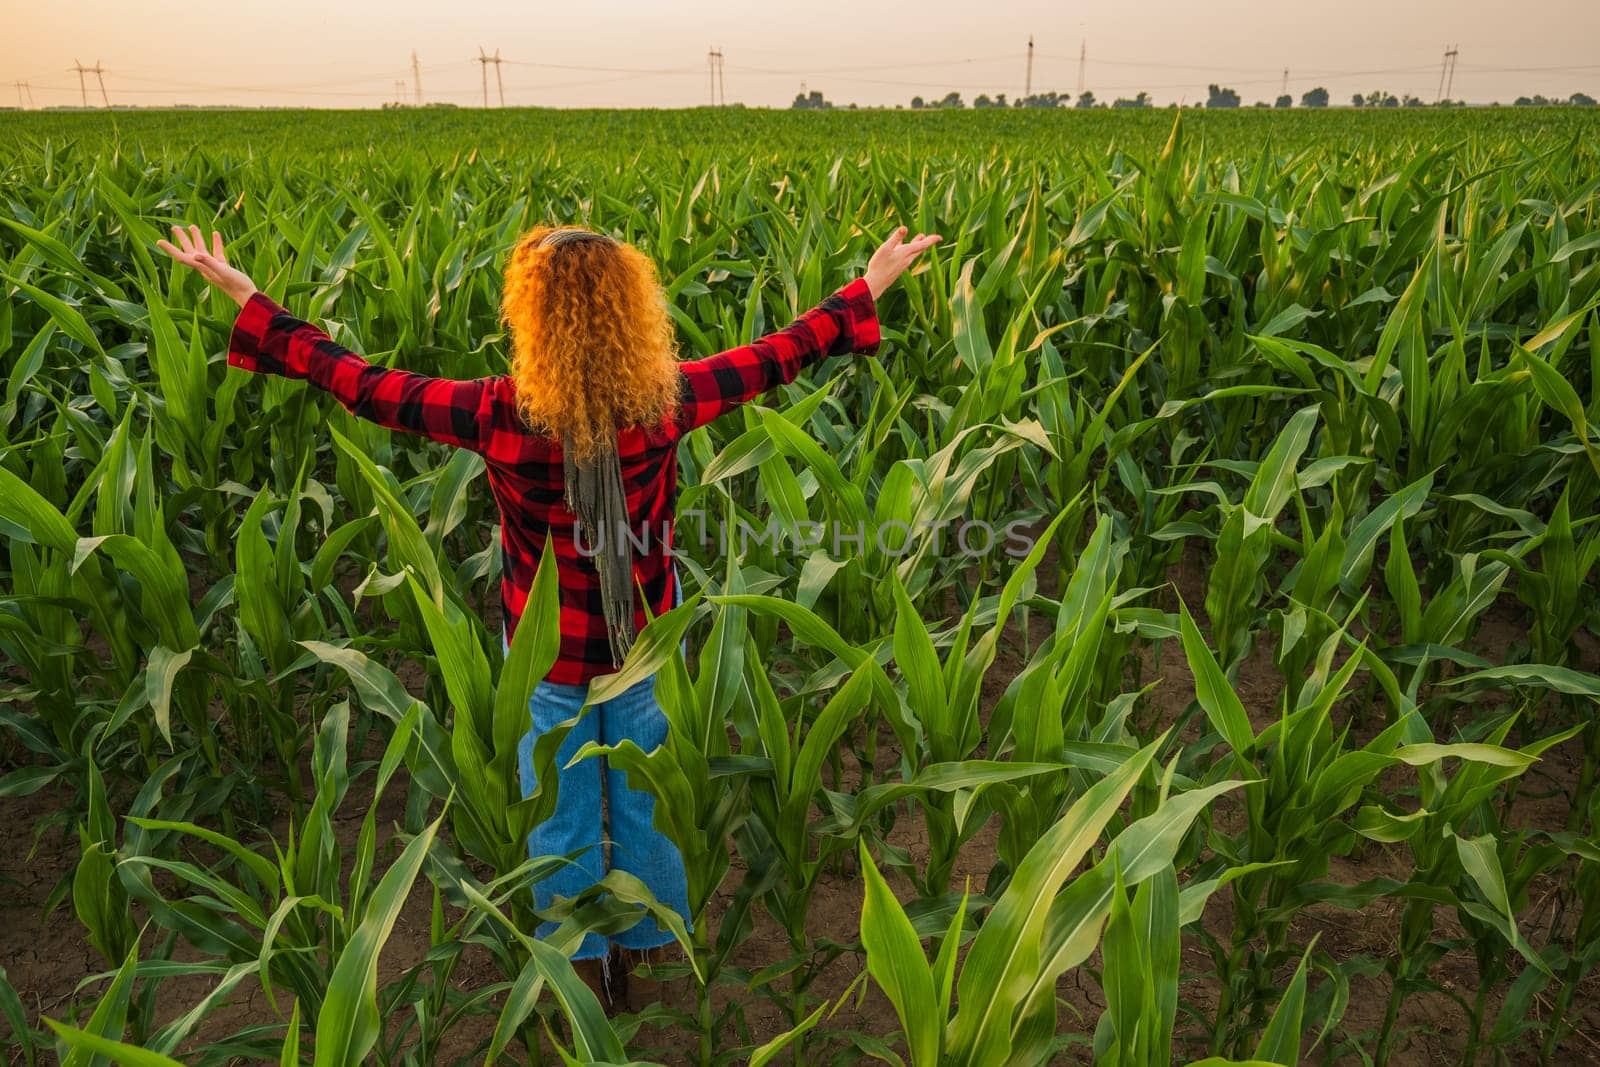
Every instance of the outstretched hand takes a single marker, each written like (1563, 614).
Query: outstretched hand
(894, 256)
(213, 266)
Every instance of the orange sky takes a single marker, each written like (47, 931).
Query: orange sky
(616, 53)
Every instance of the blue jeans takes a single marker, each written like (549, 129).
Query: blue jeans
(636, 845)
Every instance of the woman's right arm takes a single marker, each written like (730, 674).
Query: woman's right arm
(267, 339)
(847, 321)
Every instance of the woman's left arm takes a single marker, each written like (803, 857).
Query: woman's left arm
(268, 339)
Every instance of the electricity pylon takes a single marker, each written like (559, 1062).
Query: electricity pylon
(98, 71)
(1447, 69)
(484, 59)
(714, 66)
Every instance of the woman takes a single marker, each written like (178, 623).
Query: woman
(580, 444)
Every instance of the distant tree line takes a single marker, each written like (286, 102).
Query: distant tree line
(1575, 100)
(1379, 98)
(1217, 96)
(1049, 99)
(813, 101)
(951, 99)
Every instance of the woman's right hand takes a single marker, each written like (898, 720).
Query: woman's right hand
(213, 266)
(894, 256)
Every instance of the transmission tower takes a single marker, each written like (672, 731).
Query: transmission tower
(99, 75)
(24, 87)
(714, 65)
(484, 60)
(1083, 60)
(1027, 81)
(416, 78)
(399, 92)
(1447, 73)
(1285, 90)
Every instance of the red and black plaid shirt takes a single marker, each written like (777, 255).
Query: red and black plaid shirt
(525, 469)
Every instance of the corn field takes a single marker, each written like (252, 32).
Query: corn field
(1276, 743)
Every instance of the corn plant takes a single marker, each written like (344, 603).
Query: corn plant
(1041, 926)
(1310, 777)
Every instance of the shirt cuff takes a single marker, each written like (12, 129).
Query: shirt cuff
(247, 342)
(865, 335)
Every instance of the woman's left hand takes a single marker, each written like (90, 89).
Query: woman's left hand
(213, 266)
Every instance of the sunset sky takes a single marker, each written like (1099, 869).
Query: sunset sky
(615, 53)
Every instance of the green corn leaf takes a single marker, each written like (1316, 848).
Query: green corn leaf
(105, 1027)
(1280, 1041)
(84, 1043)
(594, 1039)
(68, 318)
(1534, 675)
(23, 507)
(1222, 705)
(896, 962)
(1004, 958)
(406, 542)
(290, 1054)
(348, 1023)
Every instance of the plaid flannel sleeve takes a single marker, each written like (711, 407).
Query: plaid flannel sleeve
(267, 339)
(847, 321)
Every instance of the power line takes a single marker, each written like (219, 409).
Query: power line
(1208, 69)
(809, 71)
(938, 71)
(1156, 64)
(379, 95)
(1472, 69)
(318, 88)
(1362, 73)
(124, 91)
(610, 70)
(1276, 73)
(353, 80)
(612, 80)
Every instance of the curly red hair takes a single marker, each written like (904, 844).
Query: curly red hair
(593, 347)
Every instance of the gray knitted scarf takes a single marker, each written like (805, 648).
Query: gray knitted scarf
(594, 493)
